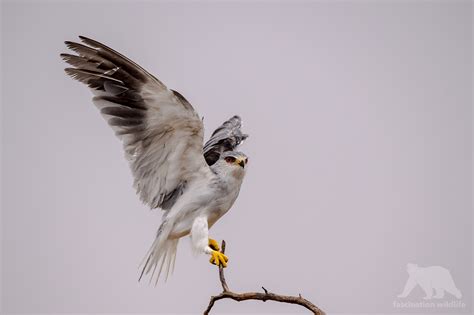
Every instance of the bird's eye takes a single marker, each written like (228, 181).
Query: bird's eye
(230, 159)
(246, 160)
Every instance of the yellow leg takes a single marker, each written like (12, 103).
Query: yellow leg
(213, 244)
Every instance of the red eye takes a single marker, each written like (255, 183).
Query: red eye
(230, 159)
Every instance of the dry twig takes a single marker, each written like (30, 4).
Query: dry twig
(266, 296)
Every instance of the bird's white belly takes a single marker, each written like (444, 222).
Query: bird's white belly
(200, 203)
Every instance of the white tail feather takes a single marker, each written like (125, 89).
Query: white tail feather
(162, 252)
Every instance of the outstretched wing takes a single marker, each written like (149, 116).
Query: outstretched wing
(225, 138)
(161, 133)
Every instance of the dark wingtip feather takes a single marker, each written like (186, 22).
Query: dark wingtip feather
(226, 137)
(96, 44)
(68, 70)
(65, 56)
(86, 40)
(68, 43)
(72, 72)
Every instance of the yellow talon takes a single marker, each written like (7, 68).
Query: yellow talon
(217, 258)
(213, 244)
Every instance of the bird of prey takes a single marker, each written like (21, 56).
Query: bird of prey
(162, 136)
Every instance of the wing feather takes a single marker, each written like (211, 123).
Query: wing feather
(161, 132)
(225, 138)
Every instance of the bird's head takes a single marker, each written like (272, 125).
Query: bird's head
(233, 162)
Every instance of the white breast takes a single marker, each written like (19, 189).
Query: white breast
(211, 198)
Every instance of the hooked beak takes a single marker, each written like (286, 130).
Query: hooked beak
(242, 163)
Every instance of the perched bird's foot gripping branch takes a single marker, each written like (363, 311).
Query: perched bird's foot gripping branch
(217, 258)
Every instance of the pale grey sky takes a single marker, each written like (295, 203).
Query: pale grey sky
(359, 115)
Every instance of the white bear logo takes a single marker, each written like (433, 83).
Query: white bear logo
(429, 278)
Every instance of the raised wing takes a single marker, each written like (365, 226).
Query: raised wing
(161, 133)
(225, 138)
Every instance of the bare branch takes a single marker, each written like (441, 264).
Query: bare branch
(225, 287)
(266, 296)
